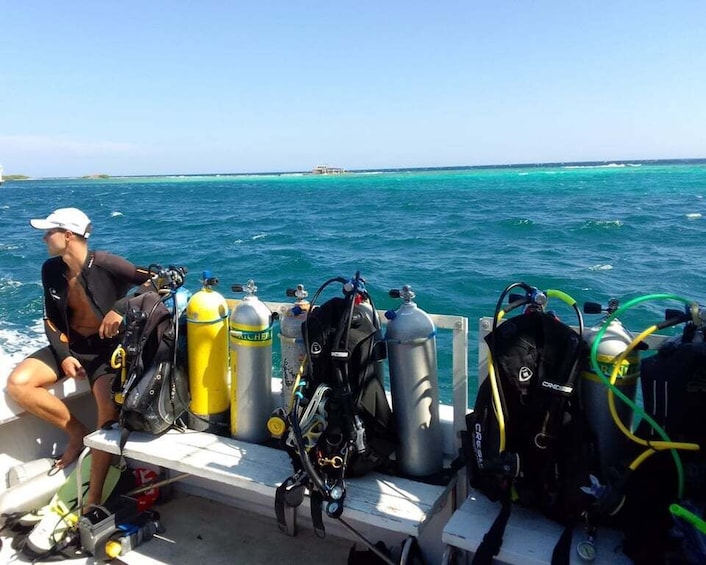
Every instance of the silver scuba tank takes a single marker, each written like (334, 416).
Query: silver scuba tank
(611, 442)
(411, 343)
(24, 471)
(251, 366)
(293, 350)
(27, 493)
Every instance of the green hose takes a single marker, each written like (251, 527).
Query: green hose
(638, 410)
(693, 519)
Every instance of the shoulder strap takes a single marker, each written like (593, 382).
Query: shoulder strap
(289, 494)
(493, 539)
(562, 549)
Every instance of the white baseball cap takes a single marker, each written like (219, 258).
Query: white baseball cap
(69, 219)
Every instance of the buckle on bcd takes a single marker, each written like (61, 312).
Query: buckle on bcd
(342, 355)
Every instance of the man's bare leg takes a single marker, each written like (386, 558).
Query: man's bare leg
(101, 460)
(26, 386)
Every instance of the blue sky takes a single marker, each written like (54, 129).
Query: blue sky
(177, 87)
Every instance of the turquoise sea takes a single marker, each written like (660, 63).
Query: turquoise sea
(457, 236)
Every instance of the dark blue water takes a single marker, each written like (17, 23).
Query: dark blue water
(458, 237)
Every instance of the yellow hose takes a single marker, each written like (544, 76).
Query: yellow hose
(652, 446)
(297, 380)
(497, 404)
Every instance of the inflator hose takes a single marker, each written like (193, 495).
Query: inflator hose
(304, 456)
(297, 380)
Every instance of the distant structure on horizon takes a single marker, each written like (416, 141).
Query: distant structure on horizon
(326, 170)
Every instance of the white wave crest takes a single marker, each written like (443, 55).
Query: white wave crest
(114, 214)
(8, 282)
(260, 236)
(693, 216)
(15, 345)
(603, 166)
(601, 267)
(603, 224)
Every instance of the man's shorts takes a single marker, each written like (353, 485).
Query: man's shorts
(92, 352)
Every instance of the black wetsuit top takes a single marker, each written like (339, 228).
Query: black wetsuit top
(105, 278)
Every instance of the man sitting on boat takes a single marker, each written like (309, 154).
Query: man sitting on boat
(84, 302)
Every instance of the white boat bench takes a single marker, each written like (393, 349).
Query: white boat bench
(394, 504)
(529, 536)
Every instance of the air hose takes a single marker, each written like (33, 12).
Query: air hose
(613, 390)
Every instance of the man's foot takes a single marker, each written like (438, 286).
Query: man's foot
(72, 451)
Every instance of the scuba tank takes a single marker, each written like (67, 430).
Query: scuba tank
(411, 343)
(24, 471)
(611, 442)
(30, 493)
(251, 366)
(180, 299)
(207, 345)
(292, 343)
(182, 296)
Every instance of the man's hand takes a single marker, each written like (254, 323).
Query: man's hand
(73, 369)
(110, 326)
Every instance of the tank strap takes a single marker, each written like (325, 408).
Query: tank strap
(317, 520)
(415, 341)
(289, 494)
(493, 539)
(213, 321)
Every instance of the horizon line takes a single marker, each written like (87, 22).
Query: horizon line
(97, 176)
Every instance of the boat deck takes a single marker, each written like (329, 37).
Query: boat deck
(198, 530)
(204, 531)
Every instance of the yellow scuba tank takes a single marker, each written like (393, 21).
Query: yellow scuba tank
(251, 366)
(207, 346)
(611, 442)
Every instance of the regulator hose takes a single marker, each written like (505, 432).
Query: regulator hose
(613, 390)
(301, 447)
